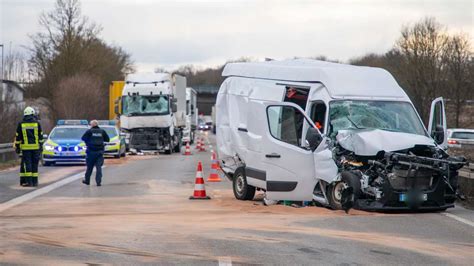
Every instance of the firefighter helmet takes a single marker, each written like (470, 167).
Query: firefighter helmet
(29, 111)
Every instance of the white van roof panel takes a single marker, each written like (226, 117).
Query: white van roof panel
(341, 80)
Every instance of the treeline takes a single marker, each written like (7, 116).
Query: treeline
(427, 61)
(71, 65)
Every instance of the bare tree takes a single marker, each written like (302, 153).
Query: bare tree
(10, 115)
(78, 97)
(457, 59)
(16, 67)
(422, 47)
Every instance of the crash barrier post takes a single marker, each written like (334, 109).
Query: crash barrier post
(7, 152)
(466, 183)
(213, 175)
(199, 188)
(187, 150)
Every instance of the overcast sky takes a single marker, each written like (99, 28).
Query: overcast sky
(172, 33)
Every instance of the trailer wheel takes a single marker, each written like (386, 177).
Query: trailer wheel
(335, 191)
(242, 190)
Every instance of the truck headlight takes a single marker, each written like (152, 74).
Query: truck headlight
(48, 147)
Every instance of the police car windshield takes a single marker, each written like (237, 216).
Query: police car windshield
(111, 131)
(68, 132)
(145, 105)
(385, 115)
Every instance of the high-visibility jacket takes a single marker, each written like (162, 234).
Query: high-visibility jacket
(29, 135)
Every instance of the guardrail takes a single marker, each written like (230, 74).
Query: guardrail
(7, 152)
(467, 171)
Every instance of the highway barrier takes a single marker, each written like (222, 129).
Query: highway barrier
(7, 152)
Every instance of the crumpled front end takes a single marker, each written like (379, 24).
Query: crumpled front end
(422, 177)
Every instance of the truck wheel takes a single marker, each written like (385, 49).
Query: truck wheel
(170, 145)
(335, 193)
(242, 190)
(177, 148)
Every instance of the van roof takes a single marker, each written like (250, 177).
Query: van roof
(341, 80)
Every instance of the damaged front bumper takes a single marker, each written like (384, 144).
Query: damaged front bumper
(438, 198)
(402, 182)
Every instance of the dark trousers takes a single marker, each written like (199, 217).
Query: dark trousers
(94, 158)
(29, 167)
(23, 181)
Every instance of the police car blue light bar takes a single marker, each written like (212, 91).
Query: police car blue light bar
(63, 122)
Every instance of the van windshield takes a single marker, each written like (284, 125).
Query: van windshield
(384, 115)
(145, 105)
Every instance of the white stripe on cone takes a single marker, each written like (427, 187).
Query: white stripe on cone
(199, 187)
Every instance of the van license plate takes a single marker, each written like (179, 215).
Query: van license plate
(403, 197)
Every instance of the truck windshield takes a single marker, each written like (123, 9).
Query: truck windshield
(145, 105)
(384, 115)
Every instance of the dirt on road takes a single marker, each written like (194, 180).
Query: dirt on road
(103, 224)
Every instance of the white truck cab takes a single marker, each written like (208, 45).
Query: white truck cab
(338, 134)
(152, 115)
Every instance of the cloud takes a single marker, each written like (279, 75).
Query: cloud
(170, 33)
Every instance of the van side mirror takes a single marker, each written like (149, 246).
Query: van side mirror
(313, 138)
(174, 107)
(45, 136)
(438, 134)
(116, 109)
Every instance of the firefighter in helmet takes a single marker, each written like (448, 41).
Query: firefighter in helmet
(29, 142)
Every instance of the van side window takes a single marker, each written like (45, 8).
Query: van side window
(318, 115)
(297, 96)
(286, 124)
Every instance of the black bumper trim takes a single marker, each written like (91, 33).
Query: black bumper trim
(281, 186)
(255, 173)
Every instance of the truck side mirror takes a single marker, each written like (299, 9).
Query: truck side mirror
(438, 134)
(174, 107)
(313, 138)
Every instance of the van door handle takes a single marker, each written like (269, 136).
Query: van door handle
(272, 155)
(242, 129)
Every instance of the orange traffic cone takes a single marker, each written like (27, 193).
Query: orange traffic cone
(199, 189)
(198, 145)
(203, 146)
(187, 150)
(214, 176)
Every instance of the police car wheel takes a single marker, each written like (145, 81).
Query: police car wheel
(242, 190)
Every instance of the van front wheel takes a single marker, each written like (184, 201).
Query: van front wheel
(242, 190)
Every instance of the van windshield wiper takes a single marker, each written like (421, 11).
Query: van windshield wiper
(353, 123)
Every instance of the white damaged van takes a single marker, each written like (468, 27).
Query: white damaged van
(344, 136)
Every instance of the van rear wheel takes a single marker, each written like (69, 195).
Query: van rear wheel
(242, 190)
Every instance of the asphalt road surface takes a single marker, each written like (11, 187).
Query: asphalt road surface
(142, 215)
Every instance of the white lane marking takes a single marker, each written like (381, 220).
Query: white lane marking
(225, 261)
(459, 219)
(41, 191)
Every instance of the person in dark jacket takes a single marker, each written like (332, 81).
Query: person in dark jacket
(95, 139)
(29, 142)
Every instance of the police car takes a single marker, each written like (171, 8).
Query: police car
(116, 146)
(64, 144)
